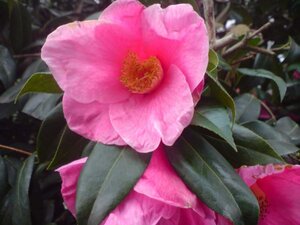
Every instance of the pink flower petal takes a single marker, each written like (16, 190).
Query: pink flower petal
(91, 120)
(70, 174)
(125, 13)
(86, 58)
(144, 120)
(156, 207)
(162, 183)
(177, 35)
(137, 209)
(282, 201)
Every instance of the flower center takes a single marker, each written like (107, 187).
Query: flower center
(262, 201)
(141, 76)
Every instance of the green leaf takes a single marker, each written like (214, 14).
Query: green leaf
(244, 156)
(107, 177)
(221, 95)
(70, 147)
(20, 26)
(289, 127)
(21, 204)
(278, 141)
(7, 67)
(50, 133)
(40, 82)
(56, 142)
(280, 84)
(247, 108)
(246, 138)
(212, 178)
(39, 105)
(3, 179)
(293, 53)
(215, 119)
(213, 61)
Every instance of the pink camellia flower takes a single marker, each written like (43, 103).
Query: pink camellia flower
(133, 76)
(159, 197)
(296, 75)
(277, 189)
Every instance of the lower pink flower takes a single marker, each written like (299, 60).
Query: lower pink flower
(159, 197)
(277, 189)
(296, 75)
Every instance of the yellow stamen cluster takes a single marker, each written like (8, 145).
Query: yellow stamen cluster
(141, 76)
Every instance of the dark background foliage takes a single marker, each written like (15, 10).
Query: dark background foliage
(30, 189)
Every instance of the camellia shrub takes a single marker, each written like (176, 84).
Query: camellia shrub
(149, 112)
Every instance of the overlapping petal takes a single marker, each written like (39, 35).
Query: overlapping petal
(159, 205)
(83, 62)
(90, 120)
(144, 120)
(178, 36)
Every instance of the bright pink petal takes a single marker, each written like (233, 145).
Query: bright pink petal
(125, 13)
(144, 120)
(162, 183)
(137, 209)
(282, 198)
(177, 35)
(91, 120)
(86, 59)
(70, 174)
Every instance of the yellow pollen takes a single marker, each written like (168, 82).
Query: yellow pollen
(141, 76)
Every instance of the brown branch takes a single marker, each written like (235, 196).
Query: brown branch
(15, 150)
(245, 40)
(208, 6)
(222, 42)
(250, 56)
(262, 28)
(261, 50)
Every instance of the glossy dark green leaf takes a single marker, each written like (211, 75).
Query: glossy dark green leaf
(107, 177)
(49, 134)
(39, 105)
(40, 82)
(3, 179)
(244, 155)
(13, 165)
(247, 108)
(212, 178)
(21, 204)
(294, 52)
(246, 138)
(10, 94)
(280, 84)
(278, 141)
(214, 118)
(6, 209)
(69, 147)
(56, 143)
(221, 95)
(20, 26)
(289, 127)
(7, 67)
